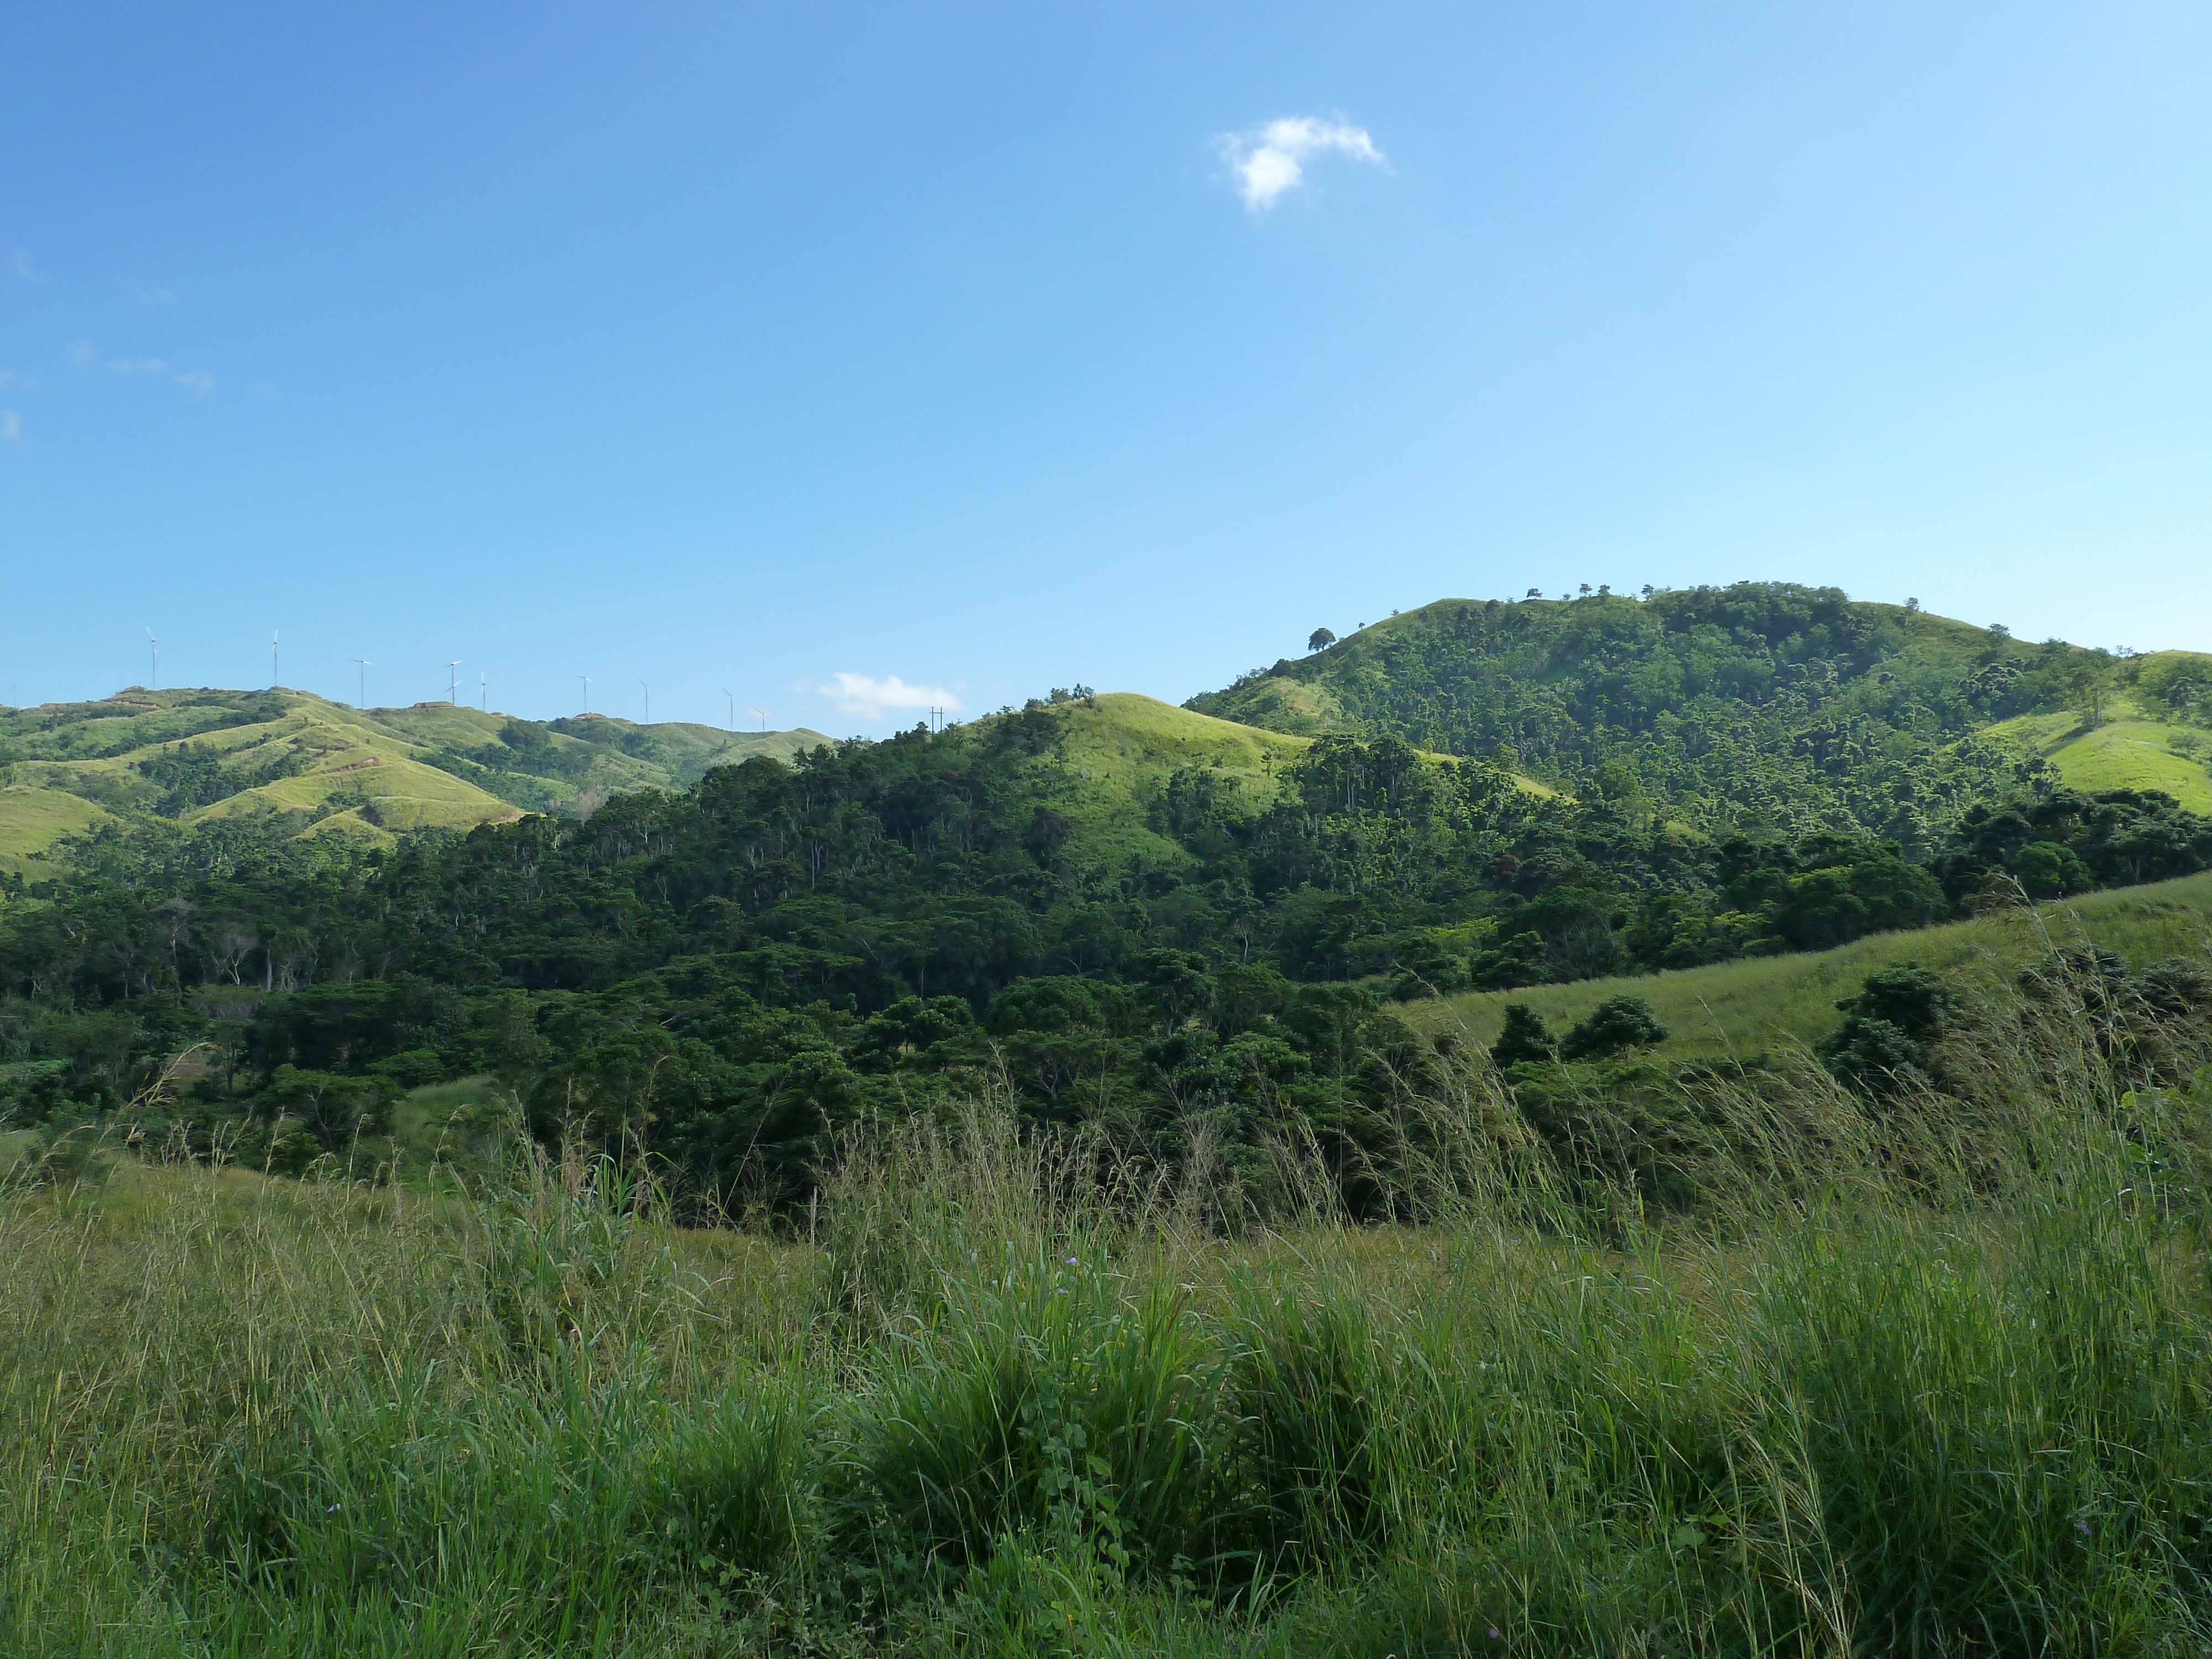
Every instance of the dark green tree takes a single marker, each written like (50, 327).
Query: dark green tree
(1523, 1038)
(1615, 1026)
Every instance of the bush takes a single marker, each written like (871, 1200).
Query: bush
(1613, 1027)
(1524, 1038)
(1885, 1042)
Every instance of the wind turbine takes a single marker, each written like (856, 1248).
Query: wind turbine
(586, 679)
(154, 654)
(453, 682)
(648, 702)
(272, 660)
(365, 666)
(733, 696)
(484, 692)
(762, 713)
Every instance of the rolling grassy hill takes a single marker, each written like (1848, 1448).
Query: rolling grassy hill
(195, 755)
(1760, 1002)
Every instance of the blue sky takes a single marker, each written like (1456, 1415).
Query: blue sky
(991, 347)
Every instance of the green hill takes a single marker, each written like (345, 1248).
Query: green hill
(1762, 706)
(194, 755)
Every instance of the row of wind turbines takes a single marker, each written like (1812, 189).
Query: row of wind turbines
(453, 682)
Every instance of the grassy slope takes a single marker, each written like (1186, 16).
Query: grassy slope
(33, 819)
(2132, 750)
(1121, 748)
(82, 770)
(1746, 1006)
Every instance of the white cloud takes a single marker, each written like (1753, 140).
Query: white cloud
(197, 379)
(864, 697)
(24, 268)
(1269, 161)
(11, 424)
(9, 377)
(151, 293)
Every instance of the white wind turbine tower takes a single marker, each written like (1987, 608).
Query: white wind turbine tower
(586, 679)
(365, 666)
(762, 713)
(648, 702)
(272, 660)
(484, 692)
(453, 682)
(154, 658)
(733, 696)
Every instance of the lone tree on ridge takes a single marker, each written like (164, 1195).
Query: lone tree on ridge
(1319, 640)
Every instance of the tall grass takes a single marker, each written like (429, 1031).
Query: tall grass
(1778, 1371)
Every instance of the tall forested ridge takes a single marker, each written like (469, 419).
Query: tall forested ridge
(1495, 794)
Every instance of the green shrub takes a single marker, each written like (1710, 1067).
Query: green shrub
(1613, 1027)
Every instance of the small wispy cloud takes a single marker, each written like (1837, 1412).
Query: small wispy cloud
(151, 293)
(9, 377)
(864, 697)
(82, 355)
(1268, 162)
(25, 269)
(11, 425)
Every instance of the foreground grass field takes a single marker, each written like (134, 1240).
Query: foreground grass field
(1760, 1003)
(1933, 1376)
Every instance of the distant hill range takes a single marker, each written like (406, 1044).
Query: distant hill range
(193, 755)
(1762, 705)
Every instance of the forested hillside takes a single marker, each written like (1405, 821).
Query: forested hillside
(1763, 707)
(1138, 916)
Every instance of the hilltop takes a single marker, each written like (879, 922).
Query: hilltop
(1760, 706)
(192, 756)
